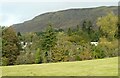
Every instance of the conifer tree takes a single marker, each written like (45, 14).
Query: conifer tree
(48, 42)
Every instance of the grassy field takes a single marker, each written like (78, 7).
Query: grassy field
(99, 67)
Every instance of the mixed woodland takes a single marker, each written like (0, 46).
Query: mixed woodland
(59, 45)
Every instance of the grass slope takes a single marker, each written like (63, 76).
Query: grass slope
(99, 67)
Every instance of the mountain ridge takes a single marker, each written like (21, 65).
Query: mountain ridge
(64, 19)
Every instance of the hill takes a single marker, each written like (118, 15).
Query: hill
(99, 67)
(64, 19)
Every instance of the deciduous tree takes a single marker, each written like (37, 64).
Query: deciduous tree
(10, 45)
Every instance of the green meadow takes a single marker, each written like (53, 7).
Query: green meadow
(97, 67)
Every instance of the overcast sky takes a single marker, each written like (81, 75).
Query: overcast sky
(12, 12)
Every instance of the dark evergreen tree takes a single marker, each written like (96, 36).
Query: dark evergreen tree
(19, 34)
(87, 26)
(69, 32)
(48, 42)
(84, 25)
(78, 28)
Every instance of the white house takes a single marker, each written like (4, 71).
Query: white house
(25, 44)
(94, 43)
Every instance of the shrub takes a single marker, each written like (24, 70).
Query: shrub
(77, 58)
(85, 52)
(38, 56)
(25, 58)
(110, 48)
(98, 52)
(86, 55)
(5, 61)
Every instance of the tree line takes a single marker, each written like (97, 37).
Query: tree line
(58, 45)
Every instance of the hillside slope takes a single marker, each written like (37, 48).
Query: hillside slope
(99, 67)
(64, 19)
